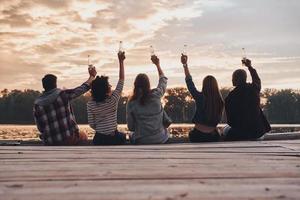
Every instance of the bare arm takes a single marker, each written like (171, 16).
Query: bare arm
(155, 61)
(118, 90)
(186, 71)
(92, 73)
(184, 60)
(121, 56)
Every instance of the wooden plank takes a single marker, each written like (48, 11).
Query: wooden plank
(153, 189)
(231, 170)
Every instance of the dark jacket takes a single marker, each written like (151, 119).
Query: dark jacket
(243, 111)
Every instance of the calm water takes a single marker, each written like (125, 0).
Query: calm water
(29, 132)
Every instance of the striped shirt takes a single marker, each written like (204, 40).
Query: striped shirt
(102, 116)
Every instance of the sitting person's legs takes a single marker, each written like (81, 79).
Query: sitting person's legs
(198, 136)
(117, 139)
(232, 134)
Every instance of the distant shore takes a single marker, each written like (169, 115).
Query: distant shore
(29, 131)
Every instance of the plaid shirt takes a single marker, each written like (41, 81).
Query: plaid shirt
(55, 119)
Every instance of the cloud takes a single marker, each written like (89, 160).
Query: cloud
(43, 36)
(15, 71)
(54, 4)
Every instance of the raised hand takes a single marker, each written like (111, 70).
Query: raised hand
(155, 60)
(121, 56)
(92, 71)
(184, 59)
(247, 62)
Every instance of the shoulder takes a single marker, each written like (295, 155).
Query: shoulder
(231, 94)
(63, 93)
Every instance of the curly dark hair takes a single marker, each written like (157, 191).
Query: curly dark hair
(100, 88)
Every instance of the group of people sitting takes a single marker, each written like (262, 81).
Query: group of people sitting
(146, 117)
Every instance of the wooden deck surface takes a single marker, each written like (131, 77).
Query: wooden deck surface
(229, 170)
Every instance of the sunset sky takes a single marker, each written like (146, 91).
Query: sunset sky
(56, 36)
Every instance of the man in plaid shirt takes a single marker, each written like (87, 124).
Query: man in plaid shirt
(53, 113)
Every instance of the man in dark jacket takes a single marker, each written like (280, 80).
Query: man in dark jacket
(244, 116)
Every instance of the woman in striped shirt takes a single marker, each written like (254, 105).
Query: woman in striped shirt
(102, 109)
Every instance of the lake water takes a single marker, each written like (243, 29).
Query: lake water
(29, 132)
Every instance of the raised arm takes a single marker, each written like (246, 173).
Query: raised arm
(121, 56)
(156, 62)
(188, 78)
(118, 90)
(256, 82)
(76, 92)
(163, 80)
(184, 60)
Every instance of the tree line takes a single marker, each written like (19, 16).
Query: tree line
(280, 106)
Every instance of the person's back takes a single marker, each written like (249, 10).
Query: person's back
(243, 103)
(145, 114)
(209, 107)
(102, 109)
(104, 113)
(148, 126)
(53, 113)
(242, 106)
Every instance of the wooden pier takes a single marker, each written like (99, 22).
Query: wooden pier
(227, 170)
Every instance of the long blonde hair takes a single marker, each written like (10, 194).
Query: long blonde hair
(213, 101)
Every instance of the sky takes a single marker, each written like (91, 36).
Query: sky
(38, 37)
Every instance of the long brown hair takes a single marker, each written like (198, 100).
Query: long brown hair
(141, 89)
(213, 101)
